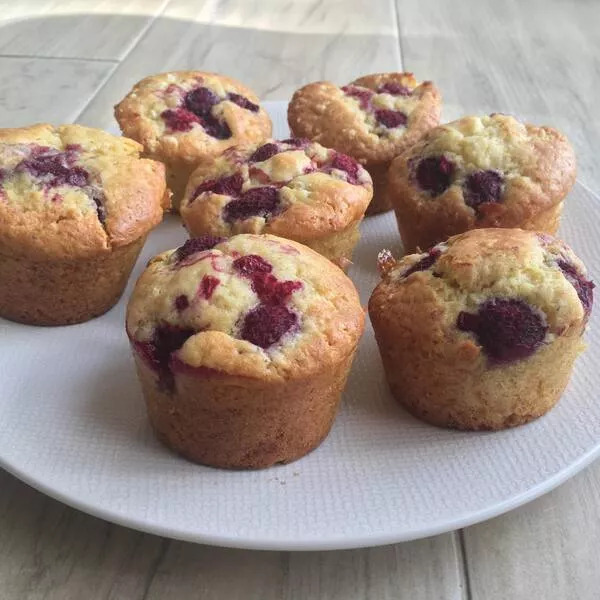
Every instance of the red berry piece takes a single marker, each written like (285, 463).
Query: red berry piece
(230, 185)
(195, 245)
(243, 102)
(507, 329)
(207, 286)
(250, 264)
(395, 89)
(391, 118)
(434, 174)
(363, 95)
(264, 152)
(348, 165)
(256, 202)
(481, 187)
(425, 263)
(179, 119)
(584, 287)
(200, 101)
(266, 324)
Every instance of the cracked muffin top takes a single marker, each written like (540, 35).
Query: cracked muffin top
(251, 306)
(373, 119)
(496, 295)
(188, 114)
(72, 191)
(491, 170)
(290, 187)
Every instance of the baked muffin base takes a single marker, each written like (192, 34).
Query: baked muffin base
(380, 202)
(177, 175)
(437, 391)
(224, 421)
(64, 292)
(421, 235)
(337, 247)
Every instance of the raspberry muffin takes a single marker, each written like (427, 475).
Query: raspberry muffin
(373, 119)
(76, 205)
(291, 188)
(481, 332)
(479, 172)
(243, 347)
(184, 117)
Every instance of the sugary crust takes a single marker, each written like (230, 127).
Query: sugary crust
(316, 204)
(322, 112)
(537, 163)
(330, 317)
(441, 373)
(138, 115)
(133, 189)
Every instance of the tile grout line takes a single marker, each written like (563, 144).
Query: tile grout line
(468, 592)
(116, 65)
(38, 57)
(398, 32)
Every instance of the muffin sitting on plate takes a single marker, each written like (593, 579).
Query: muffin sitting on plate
(184, 117)
(243, 347)
(76, 205)
(482, 331)
(372, 119)
(291, 188)
(477, 172)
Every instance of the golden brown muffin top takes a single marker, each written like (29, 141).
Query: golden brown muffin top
(72, 191)
(250, 306)
(499, 293)
(191, 114)
(372, 119)
(493, 170)
(292, 188)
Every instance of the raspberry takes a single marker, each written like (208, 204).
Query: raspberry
(251, 264)
(481, 187)
(507, 329)
(243, 102)
(583, 286)
(256, 202)
(266, 324)
(199, 244)
(216, 128)
(391, 118)
(179, 119)
(348, 165)
(158, 351)
(434, 174)
(200, 101)
(230, 185)
(363, 95)
(264, 152)
(427, 261)
(270, 290)
(207, 286)
(395, 89)
(181, 302)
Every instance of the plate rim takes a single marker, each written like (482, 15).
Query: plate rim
(343, 542)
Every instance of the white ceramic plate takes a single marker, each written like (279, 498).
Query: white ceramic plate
(72, 424)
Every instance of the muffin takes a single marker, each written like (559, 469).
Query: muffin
(373, 119)
(184, 117)
(76, 205)
(481, 332)
(242, 347)
(479, 172)
(292, 188)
